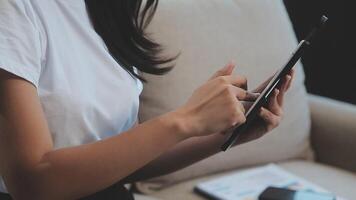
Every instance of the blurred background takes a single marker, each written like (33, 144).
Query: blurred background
(329, 65)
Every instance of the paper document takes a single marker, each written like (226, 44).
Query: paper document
(248, 184)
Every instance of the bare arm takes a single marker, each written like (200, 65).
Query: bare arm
(182, 155)
(32, 169)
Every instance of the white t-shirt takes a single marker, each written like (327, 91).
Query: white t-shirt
(86, 96)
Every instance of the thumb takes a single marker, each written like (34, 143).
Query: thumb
(225, 71)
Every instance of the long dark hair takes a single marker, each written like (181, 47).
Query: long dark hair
(122, 24)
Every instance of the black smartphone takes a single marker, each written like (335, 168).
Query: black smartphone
(262, 100)
(273, 193)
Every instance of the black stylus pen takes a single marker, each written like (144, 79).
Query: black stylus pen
(252, 114)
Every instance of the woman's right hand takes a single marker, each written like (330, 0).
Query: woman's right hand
(216, 106)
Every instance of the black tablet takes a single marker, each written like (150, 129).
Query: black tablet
(262, 100)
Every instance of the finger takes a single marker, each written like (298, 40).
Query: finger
(244, 95)
(274, 104)
(289, 81)
(251, 97)
(225, 71)
(269, 118)
(242, 108)
(283, 89)
(247, 104)
(292, 74)
(236, 80)
(238, 113)
(283, 82)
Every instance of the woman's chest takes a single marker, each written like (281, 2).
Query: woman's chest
(84, 111)
(82, 80)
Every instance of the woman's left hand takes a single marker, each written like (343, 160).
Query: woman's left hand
(269, 116)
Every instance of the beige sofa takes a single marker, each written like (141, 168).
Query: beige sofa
(317, 138)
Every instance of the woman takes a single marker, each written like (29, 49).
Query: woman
(70, 94)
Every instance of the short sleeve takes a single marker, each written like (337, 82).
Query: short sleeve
(20, 41)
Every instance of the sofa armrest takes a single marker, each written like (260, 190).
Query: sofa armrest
(333, 134)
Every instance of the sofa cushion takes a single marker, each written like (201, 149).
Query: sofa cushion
(258, 35)
(339, 182)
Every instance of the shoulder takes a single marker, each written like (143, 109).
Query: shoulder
(22, 39)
